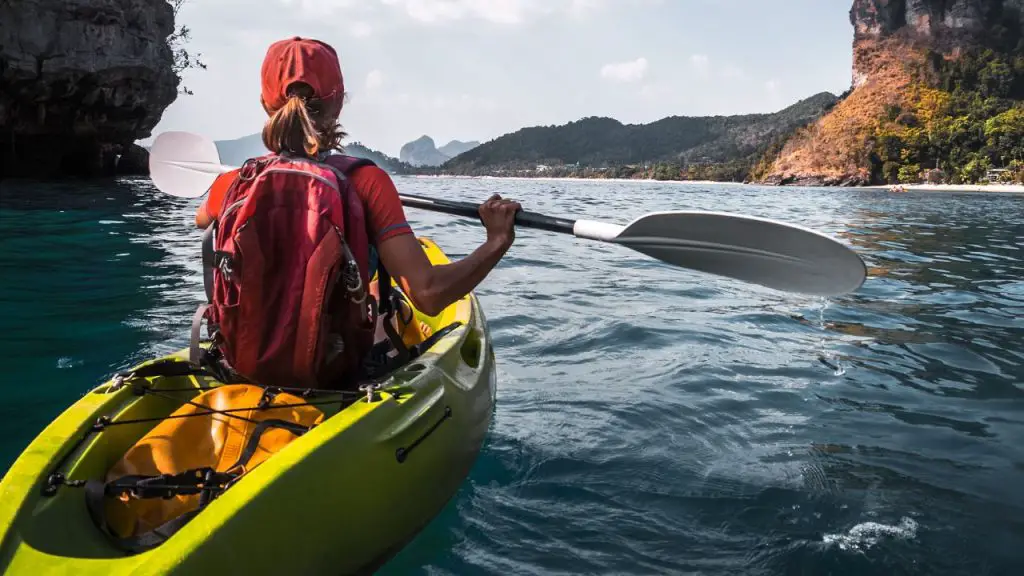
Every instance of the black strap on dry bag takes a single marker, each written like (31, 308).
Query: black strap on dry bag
(206, 482)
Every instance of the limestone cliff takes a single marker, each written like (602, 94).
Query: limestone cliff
(422, 152)
(918, 67)
(80, 81)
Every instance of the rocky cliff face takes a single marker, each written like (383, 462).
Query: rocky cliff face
(897, 45)
(943, 25)
(80, 81)
(422, 152)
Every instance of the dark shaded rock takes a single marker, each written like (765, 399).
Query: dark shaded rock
(935, 176)
(852, 181)
(951, 20)
(80, 81)
(134, 161)
(943, 25)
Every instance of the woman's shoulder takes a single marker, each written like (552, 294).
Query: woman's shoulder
(371, 178)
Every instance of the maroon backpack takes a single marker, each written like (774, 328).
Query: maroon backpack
(286, 275)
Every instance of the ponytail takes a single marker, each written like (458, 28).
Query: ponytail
(296, 128)
(291, 129)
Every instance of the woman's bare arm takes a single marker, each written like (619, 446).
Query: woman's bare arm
(202, 218)
(433, 288)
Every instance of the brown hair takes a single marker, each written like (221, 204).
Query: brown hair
(303, 125)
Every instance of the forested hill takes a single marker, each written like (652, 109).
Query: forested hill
(600, 142)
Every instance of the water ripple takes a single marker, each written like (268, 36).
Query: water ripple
(649, 419)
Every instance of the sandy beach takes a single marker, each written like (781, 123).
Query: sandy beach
(576, 179)
(985, 188)
(999, 188)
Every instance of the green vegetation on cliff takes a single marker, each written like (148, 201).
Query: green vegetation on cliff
(677, 147)
(183, 59)
(938, 97)
(965, 119)
(385, 162)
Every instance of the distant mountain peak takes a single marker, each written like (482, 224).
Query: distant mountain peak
(235, 152)
(424, 152)
(425, 138)
(456, 147)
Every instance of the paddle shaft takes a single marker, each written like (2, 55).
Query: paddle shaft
(773, 254)
(469, 210)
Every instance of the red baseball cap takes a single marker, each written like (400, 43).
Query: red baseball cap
(301, 60)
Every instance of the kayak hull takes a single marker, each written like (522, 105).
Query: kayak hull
(341, 499)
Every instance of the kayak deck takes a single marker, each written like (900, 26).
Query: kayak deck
(343, 497)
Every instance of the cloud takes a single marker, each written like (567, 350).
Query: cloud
(732, 72)
(701, 63)
(773, 86)
(653, 91)
(361, 29)
(374, 79)
(495, 11)
(632, 71)
(436, 102)
(318, 8)
(581, 7)
(435, 11)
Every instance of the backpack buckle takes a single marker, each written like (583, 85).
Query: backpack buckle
(222, 261)
(353, 282)
(251, 168)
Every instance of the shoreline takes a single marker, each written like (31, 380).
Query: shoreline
(973, 188)
(576, 179)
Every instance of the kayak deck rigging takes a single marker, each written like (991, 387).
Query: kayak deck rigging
(342, 497)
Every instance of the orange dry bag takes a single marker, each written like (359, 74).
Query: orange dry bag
(170, 474)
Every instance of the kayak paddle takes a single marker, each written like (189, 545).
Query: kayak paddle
(752, 249)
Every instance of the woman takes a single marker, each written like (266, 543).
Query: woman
(302, 93)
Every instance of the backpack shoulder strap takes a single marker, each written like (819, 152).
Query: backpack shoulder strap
(347, 164)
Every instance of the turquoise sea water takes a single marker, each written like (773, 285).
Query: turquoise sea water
(649, 420)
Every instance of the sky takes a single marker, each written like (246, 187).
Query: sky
(478, 69)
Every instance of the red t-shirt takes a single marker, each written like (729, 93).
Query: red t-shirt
(384, 214)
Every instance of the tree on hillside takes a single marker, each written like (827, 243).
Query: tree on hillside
(183, 59)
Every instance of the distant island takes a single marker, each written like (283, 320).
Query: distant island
(678, 147)
(423, 151)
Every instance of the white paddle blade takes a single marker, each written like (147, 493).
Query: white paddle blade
(756, 250)
(184, 164)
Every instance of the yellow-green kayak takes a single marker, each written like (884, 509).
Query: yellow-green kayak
(342, 498)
